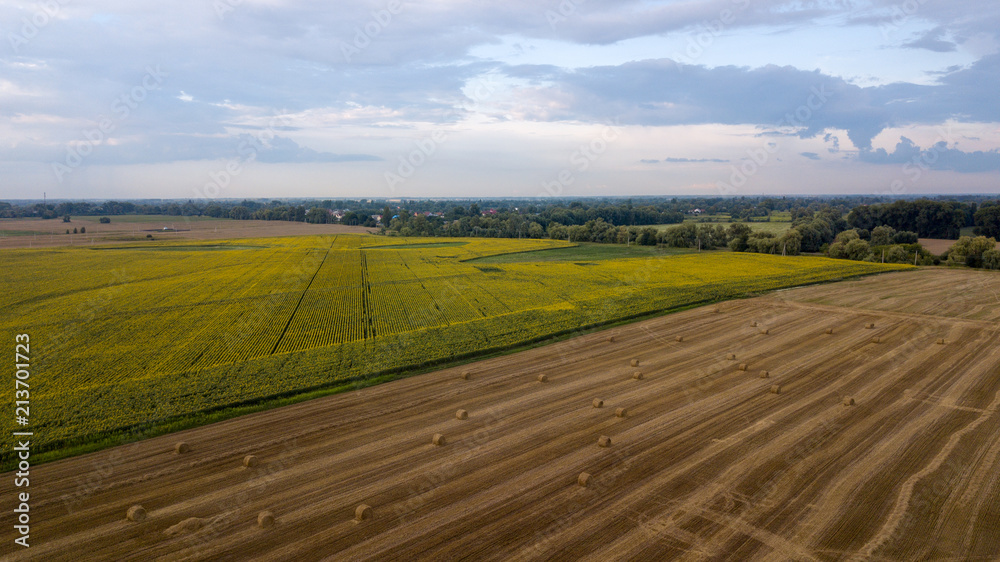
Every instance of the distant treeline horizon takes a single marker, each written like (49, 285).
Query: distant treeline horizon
(941, 217)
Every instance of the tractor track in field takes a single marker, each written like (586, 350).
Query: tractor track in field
(302, 296)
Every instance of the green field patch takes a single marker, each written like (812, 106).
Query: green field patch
(775, 227)
(586, 251)
(418, 246)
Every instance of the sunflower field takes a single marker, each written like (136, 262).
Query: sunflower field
(123, 337)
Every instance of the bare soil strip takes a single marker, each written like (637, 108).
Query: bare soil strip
(708, 462)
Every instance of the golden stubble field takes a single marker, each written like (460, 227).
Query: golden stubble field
(838, 441)
(51, 233)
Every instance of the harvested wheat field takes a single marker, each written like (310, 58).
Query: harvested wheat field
(708, 463)
(39, 233)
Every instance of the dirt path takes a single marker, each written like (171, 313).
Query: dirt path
(707, 463)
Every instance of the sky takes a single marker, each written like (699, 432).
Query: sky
(221, 99)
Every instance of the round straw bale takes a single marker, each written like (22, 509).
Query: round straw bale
(940, 341)
(136, 513)
(869, 326)
(265, 519)
(753, 324)
(876, 339)
(611, 339)
(743, 366)
(634, 362)
(776, 389)
(250, 461)
(765, 374)
(717, 310)
(461, 415)
(543, 378)
(637, 375)
(438, 439)
(679, 338)
(583, 479)
(363, 512)
(766, 331)
(604, 441)
(466, 375)
(181, 448)
(848, 401)
(598, 403)
(829, 330)
(621, 413)
(731, 356)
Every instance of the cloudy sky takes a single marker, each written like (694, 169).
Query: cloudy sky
(389, 98)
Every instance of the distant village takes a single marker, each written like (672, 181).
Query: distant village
(337, 215)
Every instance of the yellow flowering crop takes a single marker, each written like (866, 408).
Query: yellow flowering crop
(127, 336)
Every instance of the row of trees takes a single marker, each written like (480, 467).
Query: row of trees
(635, 211)
(886, 245)
(738, 237)
(929, 219)
(975, 251)
(883, 244)
(987, 219)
